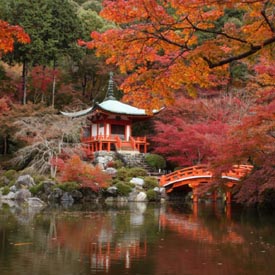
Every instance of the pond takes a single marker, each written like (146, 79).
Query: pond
(135, 238)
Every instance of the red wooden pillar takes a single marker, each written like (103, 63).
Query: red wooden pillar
(93, 147)
(228, 197)
(214, 195)
(195, 209)
(228, 211)
(109, 146)
(195, 195)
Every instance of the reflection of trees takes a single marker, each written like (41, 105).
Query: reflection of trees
(118, 235)
(163, 240)
(211, 243)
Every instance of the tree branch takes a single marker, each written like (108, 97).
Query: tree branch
(253, 49)
(271, 26)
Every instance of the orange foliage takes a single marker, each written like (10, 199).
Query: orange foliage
(158, 44)
(4, 106)
(9, 34)
(86, 175)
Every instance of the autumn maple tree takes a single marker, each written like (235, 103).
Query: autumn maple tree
(74, 169)
(193, 131)
(9, 34)
(165, 45)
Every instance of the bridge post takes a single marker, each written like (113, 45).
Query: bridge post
(228, 197)
(214, 195)
(195, 195)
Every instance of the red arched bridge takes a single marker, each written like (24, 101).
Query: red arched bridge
(199, 175)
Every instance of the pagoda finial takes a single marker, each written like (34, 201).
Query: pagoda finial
(110, 92)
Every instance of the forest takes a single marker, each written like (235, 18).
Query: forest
(210, 64)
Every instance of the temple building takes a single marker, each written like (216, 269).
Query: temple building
(109, 125)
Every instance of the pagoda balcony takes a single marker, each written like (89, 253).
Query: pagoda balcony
(114, 143)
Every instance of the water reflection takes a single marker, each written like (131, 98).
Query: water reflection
(135, 238)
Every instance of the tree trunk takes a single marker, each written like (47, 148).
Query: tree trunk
(5, 145)
(54, 84)
(84, 84)
(41, 87)
(24, 81)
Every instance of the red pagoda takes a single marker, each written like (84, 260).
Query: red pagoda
(109, 125)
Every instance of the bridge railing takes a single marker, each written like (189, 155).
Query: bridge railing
(185, 173)
(238, 171)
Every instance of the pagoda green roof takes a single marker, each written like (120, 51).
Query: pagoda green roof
(110, 106)
(115, 106)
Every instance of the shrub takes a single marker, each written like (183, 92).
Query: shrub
(76, 170)
(155, 161)
(150, 183)
(123, 189)
(36, 188)
(122, 174)
(39, 178)
(11, 174)
(68, 186)
(5, 190)
(136, 172)
(118, 164)
(151, 195)
(126, 174)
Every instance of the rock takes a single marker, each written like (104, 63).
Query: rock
(133, 195)
(22, 195)
(55, 195)
(157, 189)
(111, 171)
(6, 181)
(88, 194)
(119, 199)
(9, 196)
(137, 196)
(13, 188)
(67, 197)
(47, 186)
(141, 196)
(112, 190)
(137, 181)
(76, 195)
(109, 199)
(24, 181)
(35, 202)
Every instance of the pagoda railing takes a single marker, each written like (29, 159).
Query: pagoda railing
(97, 142)
(118, 142)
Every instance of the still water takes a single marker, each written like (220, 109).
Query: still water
(136, 238)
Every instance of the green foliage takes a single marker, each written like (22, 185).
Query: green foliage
(68, 186)
(11, 174)
(92, 5)
(36, 188)
(52, 25)
(125, 174)
(151, 195)
(123, 189)
(122, 174)
(118, 164)
(39, 178)
(8, 178)
(136, 172)
(5, 190)
(155, 161)
(150, 183)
